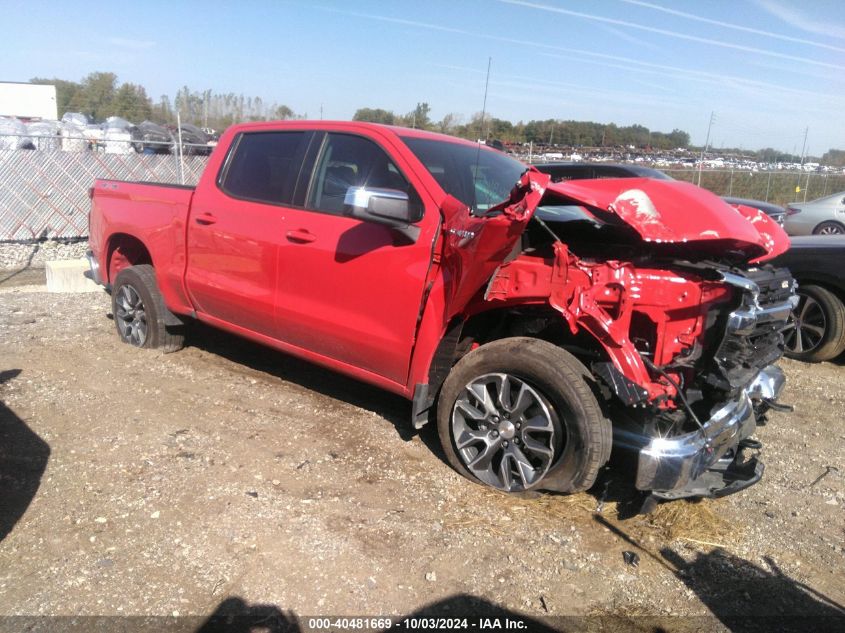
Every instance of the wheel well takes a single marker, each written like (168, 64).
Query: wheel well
(463, 336)
(541, 322)
(123, 251)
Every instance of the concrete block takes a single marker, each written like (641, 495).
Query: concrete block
(67, 276)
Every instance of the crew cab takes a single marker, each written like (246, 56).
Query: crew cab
(540, 326)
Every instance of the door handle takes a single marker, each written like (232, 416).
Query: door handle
(301, 235)
(205, 219)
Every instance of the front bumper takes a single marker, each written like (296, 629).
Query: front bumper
(690, 464)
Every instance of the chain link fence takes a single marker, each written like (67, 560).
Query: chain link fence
(778, 187)
(44, 192)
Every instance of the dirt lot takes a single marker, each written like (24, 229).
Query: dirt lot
(140, 483)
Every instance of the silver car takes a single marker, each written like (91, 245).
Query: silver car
(825, 216)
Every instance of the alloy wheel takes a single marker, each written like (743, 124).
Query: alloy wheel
(505, 431)
(131, 316)
(808, 327)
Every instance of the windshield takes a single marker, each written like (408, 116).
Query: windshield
(477, 176)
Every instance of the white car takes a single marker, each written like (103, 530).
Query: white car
(824, 216)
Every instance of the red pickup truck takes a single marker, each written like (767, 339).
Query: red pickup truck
(541, 325)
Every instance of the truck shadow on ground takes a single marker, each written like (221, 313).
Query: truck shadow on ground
(614, 482)
(23, 459)
(747, 597)
(391, 407)
(742, 596)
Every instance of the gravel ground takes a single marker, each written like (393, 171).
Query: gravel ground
(153, 484)
(18, 255)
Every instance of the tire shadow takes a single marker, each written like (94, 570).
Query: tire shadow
(23, 460)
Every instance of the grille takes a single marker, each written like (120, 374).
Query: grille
(745, 350)
(776, 285)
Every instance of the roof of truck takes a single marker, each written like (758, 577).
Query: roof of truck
(350, 126)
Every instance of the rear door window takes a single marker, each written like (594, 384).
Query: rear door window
(264, 166)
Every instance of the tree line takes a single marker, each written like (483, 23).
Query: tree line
(100, 95)
(547, 132)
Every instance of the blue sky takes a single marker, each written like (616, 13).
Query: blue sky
(768, 68)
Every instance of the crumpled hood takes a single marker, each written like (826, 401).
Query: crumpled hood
(660, 211)
(669, 211)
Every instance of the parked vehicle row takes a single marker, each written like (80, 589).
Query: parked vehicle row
(115, 135)
(541, 326)
(824, 216)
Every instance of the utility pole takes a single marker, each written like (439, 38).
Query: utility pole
(484, 105)
(205, 109)
(706, 143)
(181, 149)
(801, 168)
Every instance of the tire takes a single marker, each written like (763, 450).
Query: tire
(560, 436)
(141, 318)
(829, 228)
(819, 332)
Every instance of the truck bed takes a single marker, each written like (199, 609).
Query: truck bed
(154, 214)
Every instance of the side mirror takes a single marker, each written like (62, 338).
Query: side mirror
(390, 207)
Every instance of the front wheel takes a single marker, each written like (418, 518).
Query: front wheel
(518, 414)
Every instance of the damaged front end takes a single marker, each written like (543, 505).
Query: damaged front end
(710, 461)
(740, 377)
(664, 297)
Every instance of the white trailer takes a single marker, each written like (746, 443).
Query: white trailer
(28, 101)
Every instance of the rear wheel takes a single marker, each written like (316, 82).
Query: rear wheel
(829, 228)
(519, 412)
(819, 326)
(140, 314)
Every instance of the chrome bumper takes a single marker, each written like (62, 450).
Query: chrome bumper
(93, 272)
(670, 463)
